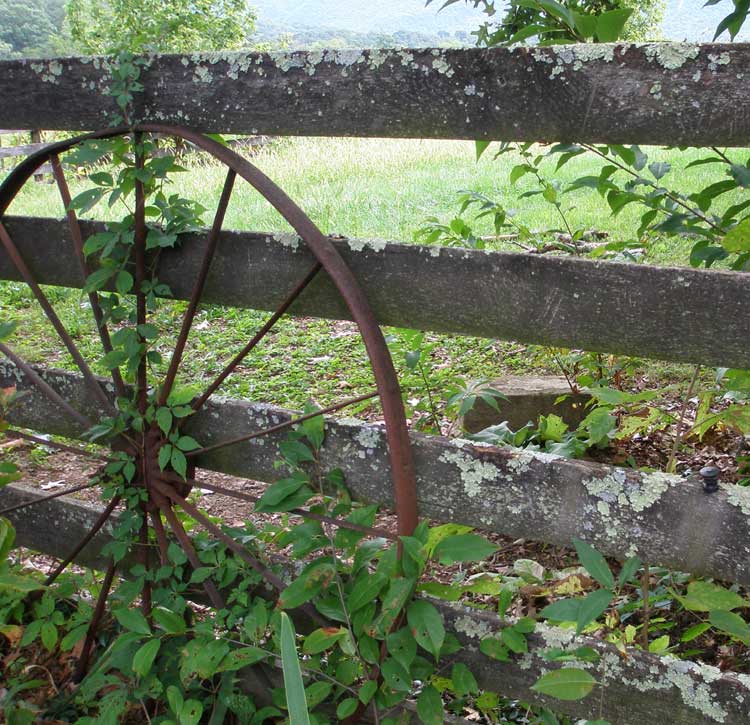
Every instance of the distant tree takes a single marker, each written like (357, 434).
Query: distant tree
(25, 26)
(171, 26)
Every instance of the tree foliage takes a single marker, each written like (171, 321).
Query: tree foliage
(30, 27)
(163, 26)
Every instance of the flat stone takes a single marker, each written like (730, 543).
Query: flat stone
(528, 398)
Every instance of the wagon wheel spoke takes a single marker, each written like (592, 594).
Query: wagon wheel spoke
(186, 545)
(83, 660)
(187, 320)
(229, 369)
(54, 397)
(141, 232)
(43, 499)
(161, 537)
(340, 523)
(77, 237)
(103, 518)
(283, 426)
(12, 251)
(12, 433)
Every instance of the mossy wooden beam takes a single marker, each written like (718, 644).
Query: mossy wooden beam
(634, 688)
(664, 519)
(678, 314)
(667, 93)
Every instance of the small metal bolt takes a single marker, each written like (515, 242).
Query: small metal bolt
(710, 476)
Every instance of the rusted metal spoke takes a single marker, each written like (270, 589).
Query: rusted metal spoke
(187, 320)
(207, 524)
(20, 265)
(77, 236)
(284, 426)
(187, 546)
(161, 537)
(144, 559)
(104, 516)
(83, 660)
(12, 433)
(229, 369)
(44, 387)
(57, 494)
(140, 270)
(302, 512)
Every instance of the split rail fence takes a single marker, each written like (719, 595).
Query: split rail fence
(600, 93)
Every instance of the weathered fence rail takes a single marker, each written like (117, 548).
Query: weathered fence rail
(669, 94)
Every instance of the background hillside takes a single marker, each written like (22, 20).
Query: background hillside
(683, 20)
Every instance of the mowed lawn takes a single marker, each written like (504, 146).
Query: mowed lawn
(353, 187)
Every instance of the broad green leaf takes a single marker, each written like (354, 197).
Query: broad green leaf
(628, 571)
(395, 675)
(366, 590)
(322, 639)
(241, 657)
(464, 682)
(738, 239)
(564, 610)
(514, 640)
(19, 583)
(144, 658)
(732, 624)
(430, 706)
(495, 649)
(178, 461)
(367, 691)
(705, 597)
(594, 564)
(402, 646)
(170, 622)
(7, 538)
(346, 708)
(49, 635)
(464, 547)
(592, 606)
(566, 684)
(132, 620)
(695, 631)
(426, 625)
(481, 147)
(436, 534)
(294, 688)
(164, 420)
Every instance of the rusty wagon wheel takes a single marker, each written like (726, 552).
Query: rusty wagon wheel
(165, 492)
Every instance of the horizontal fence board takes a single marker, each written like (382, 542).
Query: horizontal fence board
(9, 152)
(677, 314)
(514, 492)
(672, 94)
(635, 689)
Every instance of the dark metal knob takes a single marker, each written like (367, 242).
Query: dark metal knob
(710, 476)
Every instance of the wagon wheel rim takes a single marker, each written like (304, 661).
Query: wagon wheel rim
(166, 491)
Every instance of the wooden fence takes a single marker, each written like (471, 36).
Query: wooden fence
(660, 94)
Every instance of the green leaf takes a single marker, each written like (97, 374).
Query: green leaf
(438, 533)
(178, 462)
(566, 684)
(564, 610)
(242, 657)
(494, 648)
(123, 282)
(628, 571)
(19, 583)
(7, 538)
(322, 639)
(732, 624)
(49, 635)
(515, 641)
(186, 443)
(430, 706)
(366, 591)
(367, 691)
(401, 646)
(346, 708)
(427, 626)
(594, 564)
(132, 620)
(704, 597)
(464, 547)
(144, 658)
(86, 200)
(165, 454)
(737, 240)
(592, 606)
(481, 147)
(279, 491)
(395, 675)
(464, 682)
(695, 631)
(610, 25)
(164, 420)
(170, 622)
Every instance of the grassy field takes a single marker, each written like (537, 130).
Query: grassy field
(353, 187)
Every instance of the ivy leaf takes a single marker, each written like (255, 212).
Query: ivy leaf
(427, 626)
(144, 658)
(566, 684)
(594, 563)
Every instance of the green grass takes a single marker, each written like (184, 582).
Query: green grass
(354, 187)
